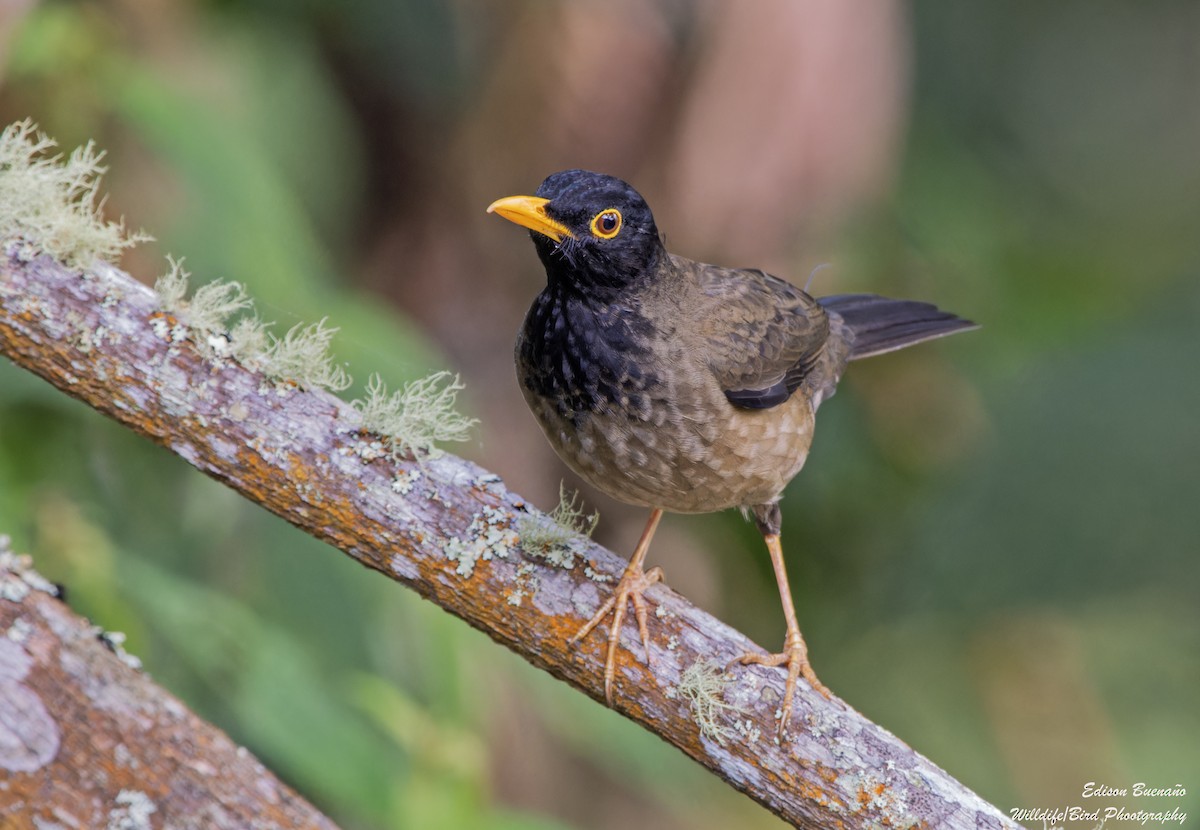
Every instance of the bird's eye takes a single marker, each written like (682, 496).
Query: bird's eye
(607, 223)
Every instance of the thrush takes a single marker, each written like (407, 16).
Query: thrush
(681, 386)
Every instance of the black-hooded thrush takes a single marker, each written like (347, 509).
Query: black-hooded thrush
(682, 386)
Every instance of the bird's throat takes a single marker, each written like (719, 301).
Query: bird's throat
(604, 277)
(585, 355)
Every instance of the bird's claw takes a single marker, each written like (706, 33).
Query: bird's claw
(795, 657)
(633, 584)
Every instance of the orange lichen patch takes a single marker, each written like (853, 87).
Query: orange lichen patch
(814, 792)
(561, 628)
(256, 471)
(817, 795)
(298, 469)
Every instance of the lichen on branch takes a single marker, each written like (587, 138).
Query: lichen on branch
(416, 418)
(52, 203)
(300, 357)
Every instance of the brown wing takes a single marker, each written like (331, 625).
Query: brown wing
(763, 336)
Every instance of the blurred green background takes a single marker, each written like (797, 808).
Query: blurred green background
(994, 545)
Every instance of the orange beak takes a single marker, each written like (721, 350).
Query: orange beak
(530, 212)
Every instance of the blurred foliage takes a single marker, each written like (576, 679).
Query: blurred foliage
(994, 542)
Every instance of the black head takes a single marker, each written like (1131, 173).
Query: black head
(591, 231)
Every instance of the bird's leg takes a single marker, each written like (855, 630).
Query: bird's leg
(795, 652)
(633, 584)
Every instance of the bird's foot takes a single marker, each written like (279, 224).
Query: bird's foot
(633, 584)
(795, 657)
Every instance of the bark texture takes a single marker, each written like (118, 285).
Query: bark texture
(87, 740)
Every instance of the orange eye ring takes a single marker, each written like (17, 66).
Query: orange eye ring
(607, 223)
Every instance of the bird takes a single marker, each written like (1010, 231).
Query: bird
(681, 386)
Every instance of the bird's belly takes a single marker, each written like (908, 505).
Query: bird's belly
(696, 458)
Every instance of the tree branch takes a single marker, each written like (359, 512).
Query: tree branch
(446, 528)
(86, 740)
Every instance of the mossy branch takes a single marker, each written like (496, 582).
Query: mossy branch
(98, 336)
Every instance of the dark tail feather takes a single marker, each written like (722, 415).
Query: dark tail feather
(884, 325)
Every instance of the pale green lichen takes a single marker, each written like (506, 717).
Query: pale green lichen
(749, 730)
(209, 309)
(404, 482)
(302, 357)
(20, 631)
(487, 537)
(172, 287)
(17, 576)
(115, 642)
(702, 684)
(547, 535)
(418, 417)
(595, 575)
(525, 584)
(249, 340)
(213, 304)
(132, 812)
(52, 203)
